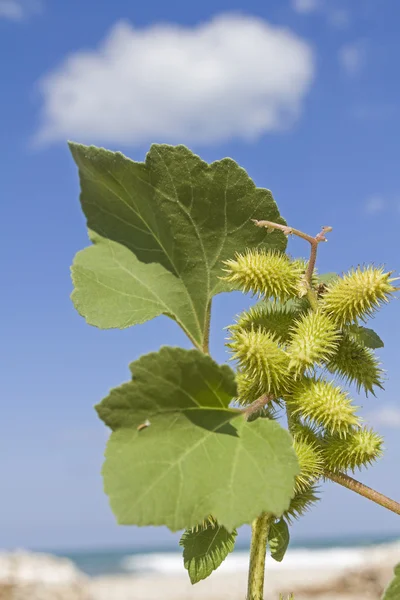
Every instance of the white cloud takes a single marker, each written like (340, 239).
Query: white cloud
(17, 10)
(351, 57)
(305, 6)
(386, 417)
(232, 77)
(335, 17)
(374, 205)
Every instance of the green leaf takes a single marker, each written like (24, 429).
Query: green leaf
(161, 230)
(205, 548)
(392, 592)
(366, 337)
(278, 539)
(197, 456)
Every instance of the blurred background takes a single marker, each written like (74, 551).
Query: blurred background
(305, 95)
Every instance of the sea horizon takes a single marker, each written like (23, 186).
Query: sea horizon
(167, 557)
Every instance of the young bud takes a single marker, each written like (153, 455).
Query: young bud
(261, 359)
(268, 273)
(361, 447)
(357, 295)
(356, 364)
(301, 503)
(273, 317)
(310, 461)
(323, 404)
(314, 339)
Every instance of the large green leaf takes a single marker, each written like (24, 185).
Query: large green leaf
(205, 548)
(198, 456)
(161, 230)
(393, 591)
(278, 539)
(366, 337)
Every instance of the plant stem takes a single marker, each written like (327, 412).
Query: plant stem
(257, 405)
(284, 228)
(314, 241)
(259, 536)
(312, 298)
(364, 490)
(206, 340)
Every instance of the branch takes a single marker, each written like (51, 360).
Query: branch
(314, 241)
(340, 478)
(364, 490)
(257, 405)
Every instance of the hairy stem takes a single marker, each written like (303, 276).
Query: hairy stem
(259, 536)
(364, 490)
(257, 405)
(312, 298)
(290, 419)
(314, 241)
(312, 261)
(191, 338)
(206, 341)
(284, 228)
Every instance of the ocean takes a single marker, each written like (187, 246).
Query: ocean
(319, 552)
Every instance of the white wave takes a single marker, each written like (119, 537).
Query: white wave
(332, 559)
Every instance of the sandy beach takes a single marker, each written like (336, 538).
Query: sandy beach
(337, 574)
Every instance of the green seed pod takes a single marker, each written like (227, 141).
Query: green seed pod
(268, 273)
(301, 503)
(357, 364)
(323, 404)
(261, 359)
(309, 433)
(248, 389)
(272, 316)
(361, 447)
(357, 295)
(310, 461)
(314, 340)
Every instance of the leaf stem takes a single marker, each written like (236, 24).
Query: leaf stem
(259, 536)
(363, 490)
(206, 339)
(191, 338)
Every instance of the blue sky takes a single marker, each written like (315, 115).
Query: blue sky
(311, 111)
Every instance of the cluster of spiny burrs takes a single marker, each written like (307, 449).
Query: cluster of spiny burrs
(285, 350)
